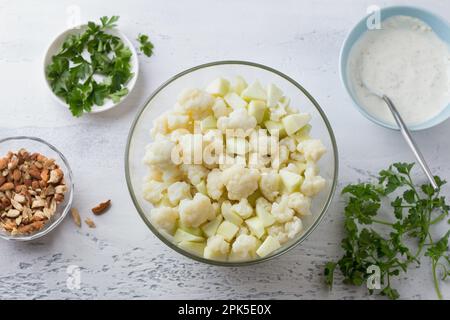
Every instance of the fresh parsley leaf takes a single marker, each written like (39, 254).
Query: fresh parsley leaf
(372, 241)
(146, 46)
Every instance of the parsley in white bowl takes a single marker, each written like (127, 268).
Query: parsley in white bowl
(91, 68)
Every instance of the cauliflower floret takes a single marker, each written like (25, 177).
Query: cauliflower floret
(177, 121)
(154, 173)
(171, 174)
(243, 208)
(257, 161)
(177, 134)
(220, 108)
(300, 203)
(270, 185)
(277, 231)
(289, 142)
(153, 191)
(277, 113)
(197, 211)
(281, 157)
(159, 153)
(195, 172)
(159, 126)
(178, 191)
(191, 146)
(293, 227)
(244, 247)
(214, 184)
(164, 218)
(281, 211)
(238, 119)
(216, 248)
(240, 181)
(196, 103)
(297, 156)
(262, 143)
(312, 185)
(312, 149)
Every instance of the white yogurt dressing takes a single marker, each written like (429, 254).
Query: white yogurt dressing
(406, 61)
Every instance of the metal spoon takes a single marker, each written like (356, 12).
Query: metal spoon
(407, 135)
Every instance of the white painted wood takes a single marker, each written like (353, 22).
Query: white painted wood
(121, 258)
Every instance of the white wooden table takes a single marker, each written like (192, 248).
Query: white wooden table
(121, 258)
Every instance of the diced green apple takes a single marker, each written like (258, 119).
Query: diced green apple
(274, 95)
(265, 216)
(275, 127)
(191, 230)
(291, 180)
(256, 226)
(227, 230)
(294, 122)
(303, 133)
(214, 255)
(181, 235)
(239, 85)
(230, 215)
(208, 123)
(235, 101)
(254, 92)
(196, 248)
(219, 87)
(269, 245)
(257, 108)
(210, 228)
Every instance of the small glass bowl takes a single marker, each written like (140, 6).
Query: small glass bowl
(198, 77)
(32, 144)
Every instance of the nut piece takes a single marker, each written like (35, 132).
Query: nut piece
(7, 186)
(76, 216)
(13, 213)
(55, 176)
(90, 223)
(101, 208)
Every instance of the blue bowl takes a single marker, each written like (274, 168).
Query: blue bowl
(439, 25)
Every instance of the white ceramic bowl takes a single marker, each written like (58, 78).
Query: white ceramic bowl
(55, 47)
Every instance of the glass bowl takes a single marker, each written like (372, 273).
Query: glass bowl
(32, 144)
(164, 98)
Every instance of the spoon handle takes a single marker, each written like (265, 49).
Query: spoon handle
(407, 135)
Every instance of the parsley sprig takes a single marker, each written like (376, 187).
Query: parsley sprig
(391, 244)
(146, 46)
(85, 58)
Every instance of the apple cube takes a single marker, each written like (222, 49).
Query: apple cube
(274, 95)
(210, 228)
(291, 180)
(239, 85)
(235, 101)
(257, 108)
(227, 230)
(254, 92)
(196, 248)
(294, 122)
(265, 216)
(268, 246)
(303, 133)
(218, 87)
(181, 235)
(275, 128)
(230, 215)
(256, 226)
(191, 230)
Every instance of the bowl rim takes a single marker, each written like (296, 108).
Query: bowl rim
(438, 119)
(234, 263)
(56, 222)
(131, 84)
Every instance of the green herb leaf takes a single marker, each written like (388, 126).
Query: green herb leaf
(146, 45)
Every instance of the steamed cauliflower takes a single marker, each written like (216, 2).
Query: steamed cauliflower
(164, 218)
(240, 181)
(244, 247)
(238, 119)
(231, 175)
(197, 211)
